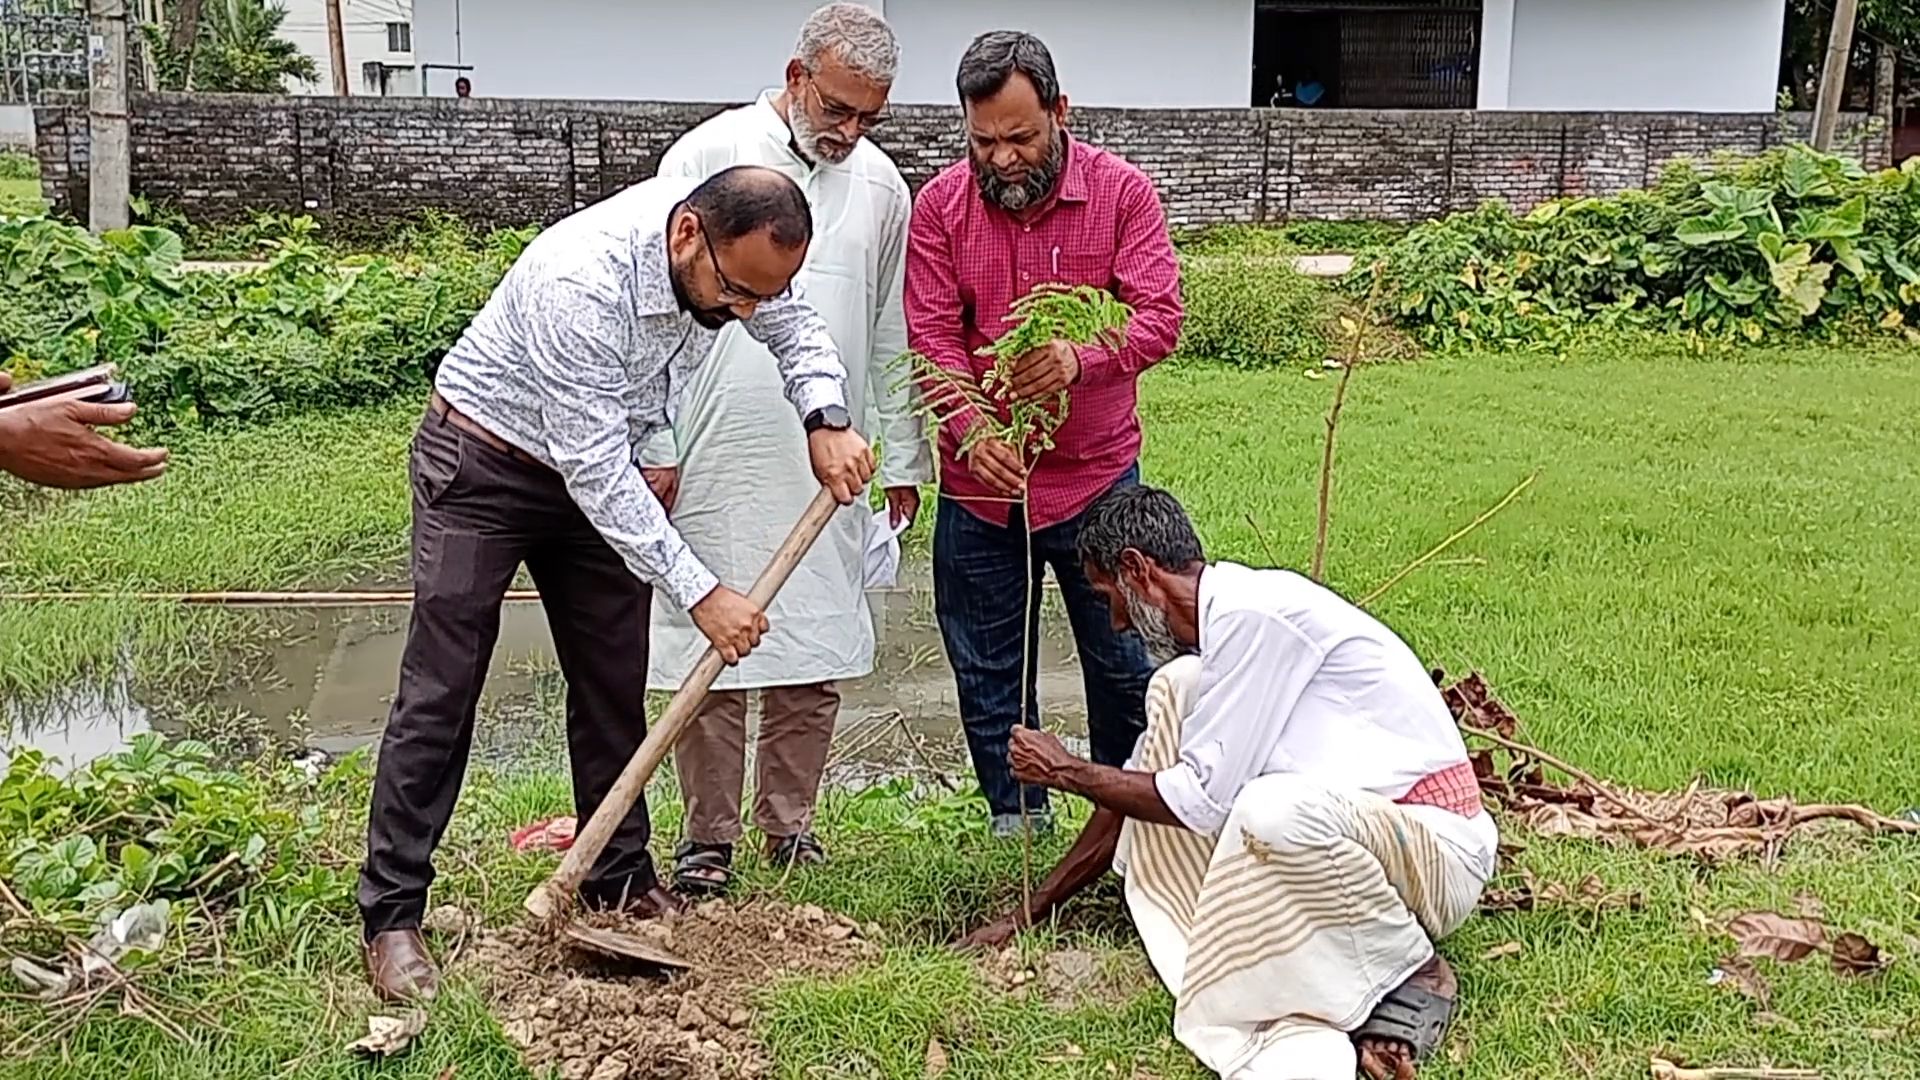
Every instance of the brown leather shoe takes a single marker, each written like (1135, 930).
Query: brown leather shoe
(656, 902)
(400, 967)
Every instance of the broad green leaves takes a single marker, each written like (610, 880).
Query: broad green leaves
(300, 330)
(157, 820)
(1801, 280)
(1785, 243)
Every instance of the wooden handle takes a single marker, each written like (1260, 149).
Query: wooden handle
(556, 893)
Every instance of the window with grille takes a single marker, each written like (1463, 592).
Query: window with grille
(399, 37)
(1366, 54)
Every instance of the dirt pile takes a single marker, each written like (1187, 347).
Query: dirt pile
(598, 1019)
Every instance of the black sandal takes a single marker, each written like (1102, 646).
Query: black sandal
(702, 869)
(1411, 1016)
(801, 848)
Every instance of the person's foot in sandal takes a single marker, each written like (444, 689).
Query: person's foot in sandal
(801, 849)
(1408, 1023)
(702, 869)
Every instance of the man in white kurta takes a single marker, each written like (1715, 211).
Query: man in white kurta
(735, 464)
(1296, 828)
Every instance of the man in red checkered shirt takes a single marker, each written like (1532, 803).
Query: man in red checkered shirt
(1299, 823)
(1032, 205)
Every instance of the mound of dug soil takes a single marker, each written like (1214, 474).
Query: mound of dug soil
(599, 1019)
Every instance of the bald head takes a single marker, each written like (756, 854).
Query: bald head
(743, 200)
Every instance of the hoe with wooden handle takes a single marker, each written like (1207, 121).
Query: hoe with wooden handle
(556, 894)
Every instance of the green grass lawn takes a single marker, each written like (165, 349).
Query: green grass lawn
(1711, 578)
(21, 198)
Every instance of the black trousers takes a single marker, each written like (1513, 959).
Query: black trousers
(479, 512)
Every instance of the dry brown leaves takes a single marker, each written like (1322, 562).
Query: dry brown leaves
(1786, 939)
(1705, 823)
(1590, 895)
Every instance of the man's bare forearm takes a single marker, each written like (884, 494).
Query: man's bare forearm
(1126, 792)
(1090, 857)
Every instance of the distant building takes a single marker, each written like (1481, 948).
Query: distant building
(379, 45)
(1572, 55)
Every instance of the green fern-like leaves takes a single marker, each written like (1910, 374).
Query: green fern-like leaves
(1082, 315)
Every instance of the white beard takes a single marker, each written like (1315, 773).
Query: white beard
(1152, 625)
(806, 138)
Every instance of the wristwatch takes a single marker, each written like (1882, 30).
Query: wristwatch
(831, 417)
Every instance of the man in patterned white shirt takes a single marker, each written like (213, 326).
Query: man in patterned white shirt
(529, 453)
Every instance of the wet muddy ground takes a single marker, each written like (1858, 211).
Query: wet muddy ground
(325, 677)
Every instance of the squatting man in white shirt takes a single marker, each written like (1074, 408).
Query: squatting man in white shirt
(1296, 828)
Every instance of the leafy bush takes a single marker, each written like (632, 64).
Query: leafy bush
(1791, 243)
(1253, 312)
(1293, 238)
(15, 165)
(302, 331)
(157, 821)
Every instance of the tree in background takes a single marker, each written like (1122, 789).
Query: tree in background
(226, 46)
(1893, 24)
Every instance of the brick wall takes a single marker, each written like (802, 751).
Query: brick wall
(364, 162)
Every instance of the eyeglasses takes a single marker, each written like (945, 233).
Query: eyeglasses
(837, 113)
(731, 293)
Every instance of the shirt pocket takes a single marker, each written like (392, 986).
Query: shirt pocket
(1092, 268)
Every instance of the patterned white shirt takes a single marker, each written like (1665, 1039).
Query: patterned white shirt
(579, 355)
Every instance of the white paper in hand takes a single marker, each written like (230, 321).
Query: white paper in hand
(883, 549)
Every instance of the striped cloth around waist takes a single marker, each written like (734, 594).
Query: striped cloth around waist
(1453, 788)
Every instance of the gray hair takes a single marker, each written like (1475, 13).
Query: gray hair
(856, 34)
(1143, 518)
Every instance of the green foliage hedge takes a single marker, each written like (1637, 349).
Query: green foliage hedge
(304, 331)
(1791, 243)
(1253, 312)
(15, 165)
(1292, 238)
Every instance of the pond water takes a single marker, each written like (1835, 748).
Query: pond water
(325, 678)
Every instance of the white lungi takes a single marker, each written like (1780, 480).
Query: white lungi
(1279, 936)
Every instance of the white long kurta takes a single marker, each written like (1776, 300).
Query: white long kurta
(745, 477)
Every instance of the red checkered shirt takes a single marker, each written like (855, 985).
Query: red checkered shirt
(968, 261)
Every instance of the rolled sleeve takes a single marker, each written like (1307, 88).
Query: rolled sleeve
(1186, 795)
(573, 331)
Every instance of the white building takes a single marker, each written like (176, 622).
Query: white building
(379, 45)
(1577, 55)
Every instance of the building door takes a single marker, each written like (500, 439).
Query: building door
(1366, 54)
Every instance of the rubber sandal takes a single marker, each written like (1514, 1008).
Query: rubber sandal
(801, 848)
(702, 869)
(1411, 1016)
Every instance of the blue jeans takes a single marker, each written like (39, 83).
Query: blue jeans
(979, 593)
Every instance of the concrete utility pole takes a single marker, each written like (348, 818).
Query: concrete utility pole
(1833, 75)
(337, 45)
(108, 177)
